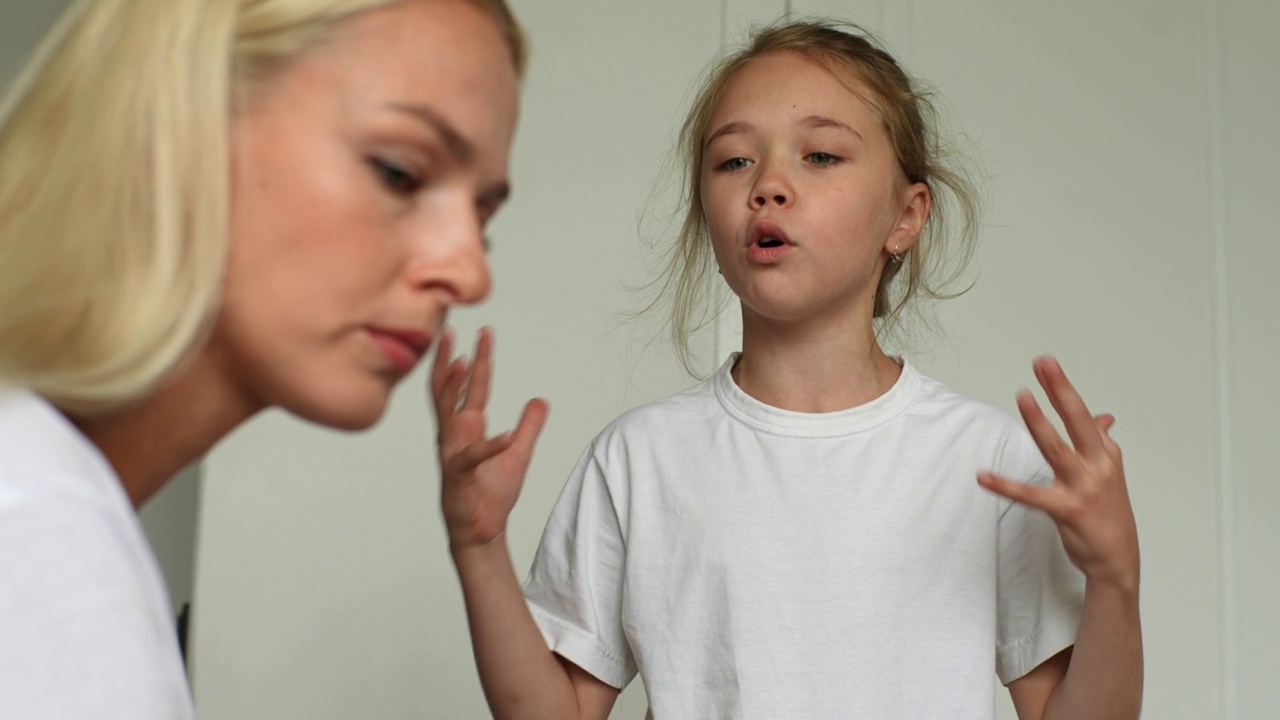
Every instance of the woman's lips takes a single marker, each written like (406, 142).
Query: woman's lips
(403, 348)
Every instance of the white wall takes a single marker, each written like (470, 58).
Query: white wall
(22, 23)
(170, 519)
(1131, 220)
(1244, 100)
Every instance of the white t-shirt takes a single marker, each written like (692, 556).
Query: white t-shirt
(85, 623)
(752, 562)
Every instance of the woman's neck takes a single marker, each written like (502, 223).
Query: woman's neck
(150, 442)
(813, 368)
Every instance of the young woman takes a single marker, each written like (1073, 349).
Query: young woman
(210, 207)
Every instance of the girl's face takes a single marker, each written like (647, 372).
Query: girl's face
(802, 192)
(363, 177)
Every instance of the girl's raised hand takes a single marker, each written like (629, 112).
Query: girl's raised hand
(480, 476)
(1088, 499)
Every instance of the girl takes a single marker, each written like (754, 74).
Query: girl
(808, 533)
(209, 207)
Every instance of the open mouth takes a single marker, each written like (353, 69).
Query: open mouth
(767, 235)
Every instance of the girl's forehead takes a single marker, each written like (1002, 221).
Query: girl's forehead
(783, 80)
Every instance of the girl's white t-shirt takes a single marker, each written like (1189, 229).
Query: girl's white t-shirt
(85, 624)
(752, 562)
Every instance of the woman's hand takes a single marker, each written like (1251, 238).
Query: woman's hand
(480, 476)
(1088, 499)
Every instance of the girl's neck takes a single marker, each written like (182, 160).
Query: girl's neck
(807, 369)
(150, 442)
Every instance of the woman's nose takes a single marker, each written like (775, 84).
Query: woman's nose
(455, 262)
(472, 279)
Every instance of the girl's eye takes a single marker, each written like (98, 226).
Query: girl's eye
(394, 178)
(822, 158)
(732, 164)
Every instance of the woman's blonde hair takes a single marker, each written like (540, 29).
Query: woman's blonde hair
(114, 183)
(911, 119)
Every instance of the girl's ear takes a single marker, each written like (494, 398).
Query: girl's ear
(916, 202)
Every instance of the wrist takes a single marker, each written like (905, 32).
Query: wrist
(1118, 574)
(469, 551)
(1117, 585)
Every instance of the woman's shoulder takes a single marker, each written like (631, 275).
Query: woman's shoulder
(60, 501)
(43, 454)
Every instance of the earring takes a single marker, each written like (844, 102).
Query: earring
(895, 257)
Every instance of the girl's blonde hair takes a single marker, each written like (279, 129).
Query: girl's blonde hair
(910, 118)
(114, 183)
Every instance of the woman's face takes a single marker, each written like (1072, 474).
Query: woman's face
(363, 177)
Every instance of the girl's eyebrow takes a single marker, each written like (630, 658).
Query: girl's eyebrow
(812, 122)
(729, 129)
(821, 121)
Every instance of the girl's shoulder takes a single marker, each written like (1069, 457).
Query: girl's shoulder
(951, 413)
(938, 398)
(675, 415)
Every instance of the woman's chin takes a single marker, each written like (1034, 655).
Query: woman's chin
(353, 413)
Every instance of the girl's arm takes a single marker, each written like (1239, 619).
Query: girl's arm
(481, 478)
(1101, 676)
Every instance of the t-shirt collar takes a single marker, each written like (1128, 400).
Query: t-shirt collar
(777, 421)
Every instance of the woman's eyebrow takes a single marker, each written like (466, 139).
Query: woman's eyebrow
(458, 146)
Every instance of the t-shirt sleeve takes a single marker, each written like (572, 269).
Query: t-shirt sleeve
(1040, 593)
(574, 589)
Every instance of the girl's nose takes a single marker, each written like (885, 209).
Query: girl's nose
(771, 189)
(761, 200)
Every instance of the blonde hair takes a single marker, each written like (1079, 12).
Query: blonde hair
(114, 183)
(911, 119)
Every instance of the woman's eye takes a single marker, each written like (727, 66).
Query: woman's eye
(395, 178)
(822, 158)
(732, 164)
